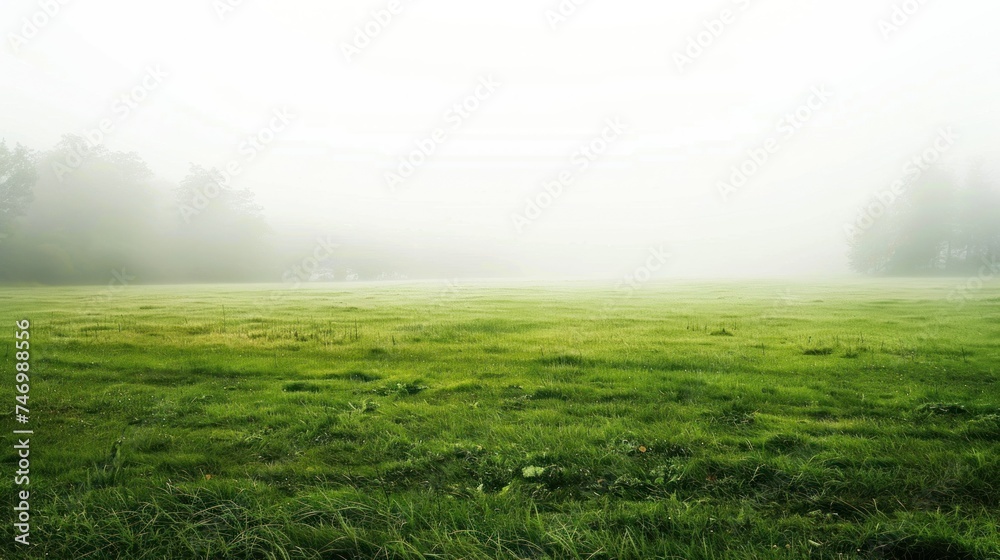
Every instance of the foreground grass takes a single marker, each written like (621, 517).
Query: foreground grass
(720, 421)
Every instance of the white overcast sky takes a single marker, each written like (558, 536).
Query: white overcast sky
(656, 185)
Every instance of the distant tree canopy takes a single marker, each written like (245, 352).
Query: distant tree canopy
(17, 180)
(938, 225)
(229, 220)
(82, 214)
(79, 214)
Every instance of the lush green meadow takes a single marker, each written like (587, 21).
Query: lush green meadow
(742, 420)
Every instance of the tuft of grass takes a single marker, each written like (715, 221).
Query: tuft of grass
(302, 387)
(564, 360)
(400, 389)
(985, 427)
(942, 409)
(737, 414)
(359, 376)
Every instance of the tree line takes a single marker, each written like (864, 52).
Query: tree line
(82, 214)
(935, 224)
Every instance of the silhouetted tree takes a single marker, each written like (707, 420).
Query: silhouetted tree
(936, 226)
(17, 180)
(222, 230)
(80, 213)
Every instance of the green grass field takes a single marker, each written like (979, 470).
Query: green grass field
(757, 420)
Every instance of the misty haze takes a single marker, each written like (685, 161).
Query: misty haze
(533, 280)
